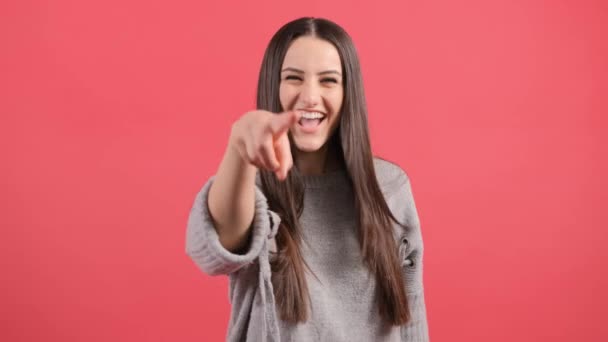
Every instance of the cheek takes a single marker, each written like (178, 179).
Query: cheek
(285, 96)
(336, 100)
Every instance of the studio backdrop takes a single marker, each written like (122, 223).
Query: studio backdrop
(113, 114)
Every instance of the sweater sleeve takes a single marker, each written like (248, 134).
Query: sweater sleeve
(411, 254)
(202, 240)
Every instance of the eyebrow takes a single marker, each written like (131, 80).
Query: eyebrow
(321, 73)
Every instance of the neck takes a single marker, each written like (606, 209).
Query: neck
(318, 162)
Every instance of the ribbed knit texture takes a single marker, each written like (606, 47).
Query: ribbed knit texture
(342, 298)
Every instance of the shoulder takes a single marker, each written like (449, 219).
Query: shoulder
(389, 174)
(396, 187)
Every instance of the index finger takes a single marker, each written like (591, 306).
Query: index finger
(281, 123)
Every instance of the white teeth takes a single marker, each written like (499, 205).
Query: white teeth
(312, 115)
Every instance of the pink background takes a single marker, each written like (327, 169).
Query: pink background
(114, 114)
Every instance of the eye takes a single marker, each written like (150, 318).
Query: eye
(292, 77)
(329, 80)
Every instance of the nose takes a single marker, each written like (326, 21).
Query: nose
(310, 95)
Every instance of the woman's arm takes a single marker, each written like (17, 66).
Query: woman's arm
(259, 139)
(411, 251)
(231, 200)
(230, 220)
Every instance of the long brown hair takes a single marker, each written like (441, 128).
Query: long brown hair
(352, 141)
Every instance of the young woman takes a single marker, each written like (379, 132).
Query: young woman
(320, 239)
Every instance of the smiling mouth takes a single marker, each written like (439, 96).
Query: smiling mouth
(310, 120)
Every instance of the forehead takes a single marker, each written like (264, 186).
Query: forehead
(312, 54)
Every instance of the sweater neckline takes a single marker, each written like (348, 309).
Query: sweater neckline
(330, 179)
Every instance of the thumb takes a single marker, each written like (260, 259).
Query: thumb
(280, 123)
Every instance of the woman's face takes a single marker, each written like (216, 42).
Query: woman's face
(311, 82)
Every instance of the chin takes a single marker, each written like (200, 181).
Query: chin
(309, 145)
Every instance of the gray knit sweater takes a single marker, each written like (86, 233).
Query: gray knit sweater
(342, 293)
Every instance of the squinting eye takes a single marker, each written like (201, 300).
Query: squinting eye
(293, 78)
(329, 80)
